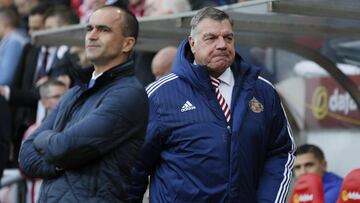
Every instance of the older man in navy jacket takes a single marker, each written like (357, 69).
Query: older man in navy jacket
(86, 147)
(217, 131)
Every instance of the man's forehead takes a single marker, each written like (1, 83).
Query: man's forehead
(308, 157)
(107, 12)
(106, 16)
(209, 25)
(210, 22)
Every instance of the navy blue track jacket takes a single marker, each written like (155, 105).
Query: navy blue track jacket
(191, 154)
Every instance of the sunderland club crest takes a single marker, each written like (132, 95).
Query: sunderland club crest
(255, 105)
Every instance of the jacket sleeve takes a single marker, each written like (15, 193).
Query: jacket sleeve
(149, 156)
(277, 172)
(31, 162)
(100, 131)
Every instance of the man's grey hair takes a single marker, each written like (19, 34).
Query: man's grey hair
(210, 13)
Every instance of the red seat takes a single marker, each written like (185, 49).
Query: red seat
(350, 189)
(308, 188)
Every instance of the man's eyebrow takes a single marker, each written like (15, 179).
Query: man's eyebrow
(99, 27)
(209, 34)
(231, 34)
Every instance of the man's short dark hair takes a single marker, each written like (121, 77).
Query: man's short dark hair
(40, 9)
(312, 149)
(10, 16)
(130, 28)
(67, 15)
(209, 13)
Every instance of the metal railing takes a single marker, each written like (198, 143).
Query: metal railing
(12, 187)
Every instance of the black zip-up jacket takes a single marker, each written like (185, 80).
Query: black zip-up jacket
(86, 147)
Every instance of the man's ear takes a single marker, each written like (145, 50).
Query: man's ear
(323, 166)
(192, 43)
(128, 44)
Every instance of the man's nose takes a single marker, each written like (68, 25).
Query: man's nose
(302, 171)
(221, 43)
(93, 34)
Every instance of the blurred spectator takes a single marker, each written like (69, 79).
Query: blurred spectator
(154, 8)
(5, 132)
(137, 7)
(12, 44)
(36, 17)
(24, 7)
(162, 61)
(50, 57)
(22, 96)
(51, 91)
(161, 7)
(311, 159)
(6, 3)
(36, 65)
(87, 7)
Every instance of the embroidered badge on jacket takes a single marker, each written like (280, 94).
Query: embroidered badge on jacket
(255, 105)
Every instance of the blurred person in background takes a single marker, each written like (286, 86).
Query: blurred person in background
(311, 159)
(35, 68)
(51, 92)
(162, 61)
(143, 59)
(24, 7)
(161, 7)
(12, 44)
(36, 18)
(6, 3)
(137, 7)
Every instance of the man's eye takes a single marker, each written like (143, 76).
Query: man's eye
(229, 39)
(105, 30)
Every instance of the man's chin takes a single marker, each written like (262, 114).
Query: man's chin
(219, 66)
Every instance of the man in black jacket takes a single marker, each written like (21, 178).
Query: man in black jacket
(86, 147)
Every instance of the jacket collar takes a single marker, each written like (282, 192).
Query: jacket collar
(118, 71)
